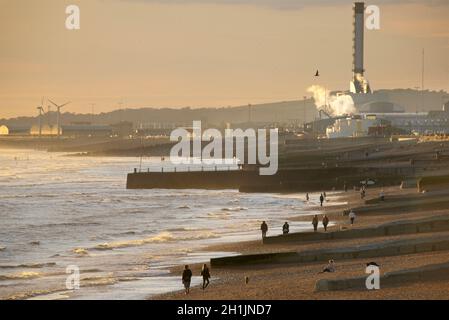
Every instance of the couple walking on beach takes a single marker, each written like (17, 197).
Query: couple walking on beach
(264, 229)
(187, 277)
(315, 223)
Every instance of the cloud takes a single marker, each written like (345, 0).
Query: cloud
(294, 4)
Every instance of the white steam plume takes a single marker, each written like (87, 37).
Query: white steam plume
(338, 104)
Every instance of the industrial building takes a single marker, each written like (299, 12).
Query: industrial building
(6, 130)
(374, 115)
(351, 127)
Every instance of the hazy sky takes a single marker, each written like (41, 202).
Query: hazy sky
(207, 53)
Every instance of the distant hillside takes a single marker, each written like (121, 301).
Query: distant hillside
(288, 111)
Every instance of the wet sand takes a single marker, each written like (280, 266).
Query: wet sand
(297, 281)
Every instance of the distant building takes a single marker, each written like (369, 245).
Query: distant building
(4, 131)
(351, 127)
(122, 129)
(380, 107)
(14, 130)
(46, 130)
(86, 130)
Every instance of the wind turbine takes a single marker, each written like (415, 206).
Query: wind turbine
(41, 111)
(58, 114)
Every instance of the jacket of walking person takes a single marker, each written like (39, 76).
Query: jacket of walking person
(285, 228)
(264, 229)
(325, 222)
(315, 223)
(186, 278)
(352, 217)
(206, 276)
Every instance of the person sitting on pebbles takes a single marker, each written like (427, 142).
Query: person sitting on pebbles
(330, 267)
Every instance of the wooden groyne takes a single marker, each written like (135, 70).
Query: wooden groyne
(434, 224)
(380, 249)
(428, 272)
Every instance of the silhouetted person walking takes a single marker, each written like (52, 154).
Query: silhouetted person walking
(325, 222)
(206, 276)
(315, 223)
(321, 200)
(285, 228)
(187, 278)
(264, 228)
(307, 197)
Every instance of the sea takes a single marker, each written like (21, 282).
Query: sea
(65, 217)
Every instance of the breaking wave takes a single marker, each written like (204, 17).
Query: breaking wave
(29, 265)
(160, 238)
(21, 276)
(232, 209)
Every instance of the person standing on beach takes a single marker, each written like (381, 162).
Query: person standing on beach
(321, 200)
(187, 278)
(285, 228)
(352, 216)
(315, 223)
(264, 228)
(325, 222)
(206, 276)
(362, 193)
(307, 197)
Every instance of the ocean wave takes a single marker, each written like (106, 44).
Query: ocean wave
(181, 229)
(160, 238)
(98, 281)
(232, 209)
(66, 224)
(29, 265)
(21, 276)
(135, 211)
(219, 215)
(31, 294)
(80, 251)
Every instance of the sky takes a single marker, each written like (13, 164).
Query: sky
(208, 53)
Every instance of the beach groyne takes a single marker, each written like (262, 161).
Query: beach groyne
(434, 224)
(419, 274)
(288, 180)
(433, 183)
(380, 249)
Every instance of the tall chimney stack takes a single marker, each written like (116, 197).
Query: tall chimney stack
(358, 82)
